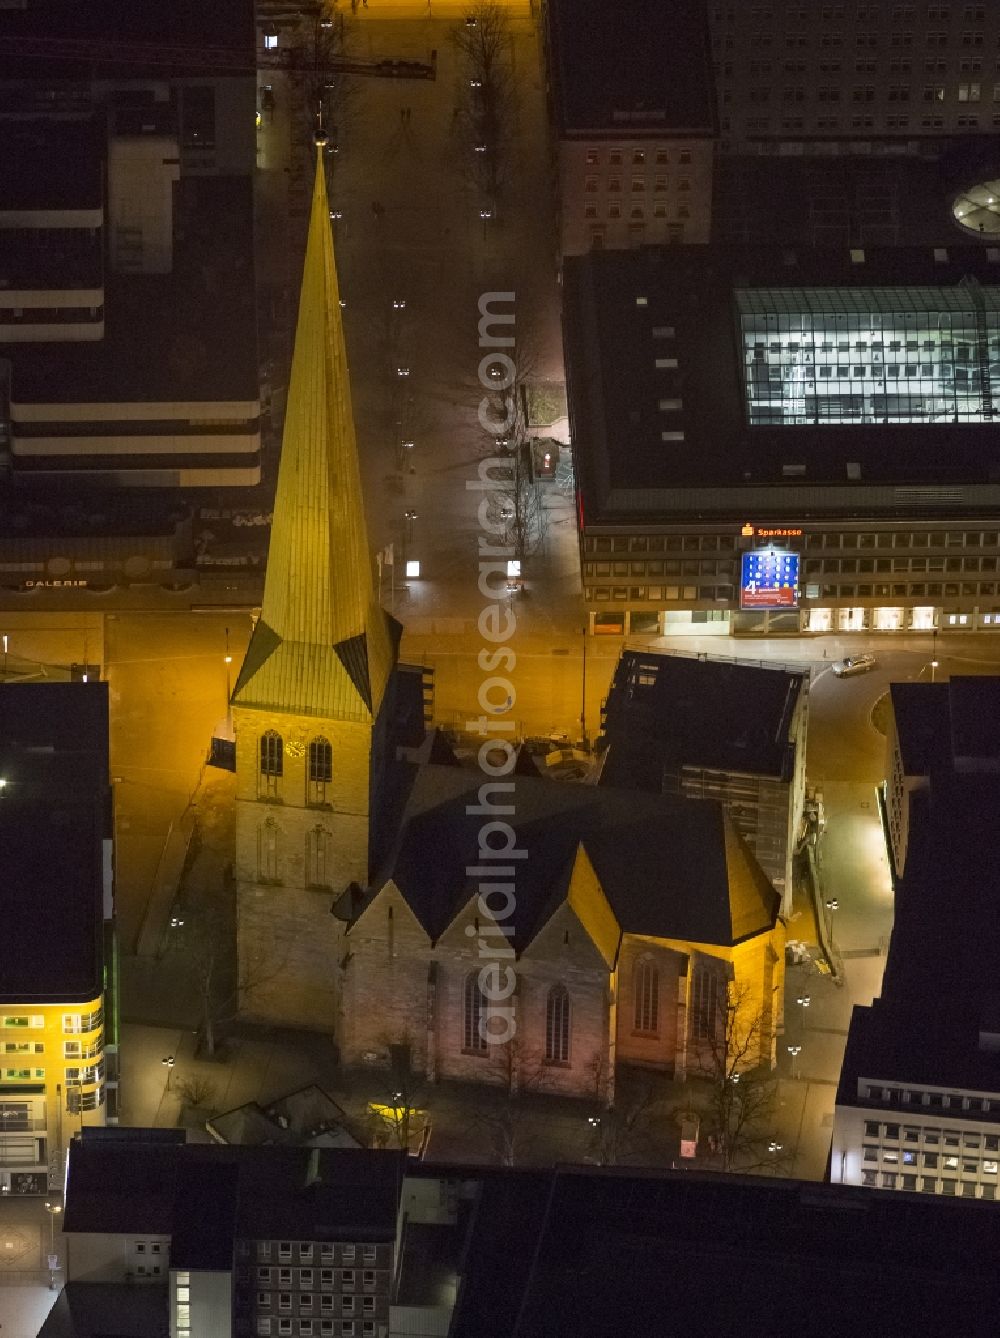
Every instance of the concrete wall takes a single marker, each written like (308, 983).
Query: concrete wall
(109, 1257)
(662, 200)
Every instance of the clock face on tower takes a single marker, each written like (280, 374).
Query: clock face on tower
(295, 748)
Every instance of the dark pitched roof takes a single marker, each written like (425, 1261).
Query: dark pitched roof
(669, 867)
(109, 1310)
(121, 1185)
(203, 1236)
(665, 712)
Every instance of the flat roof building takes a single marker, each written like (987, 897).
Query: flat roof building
(58, 1035)
(126, 213)
(782, 439)
(918, 1104)
(633, 104)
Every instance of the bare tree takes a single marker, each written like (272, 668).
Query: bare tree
(623, 1129)
(486, 117)
(742, 1091)
(205, 939)
(504, 1112)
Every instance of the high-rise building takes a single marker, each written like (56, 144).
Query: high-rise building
(58, 1028)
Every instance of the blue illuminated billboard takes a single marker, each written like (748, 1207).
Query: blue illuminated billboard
(769, 579)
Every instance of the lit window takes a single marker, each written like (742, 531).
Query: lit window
(647, 996)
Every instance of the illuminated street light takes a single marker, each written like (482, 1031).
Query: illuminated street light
(168, 1063)
(402, 371)
(475, 83)
(774, 1147)
(176, 922)
(794, 1050)
(485, 214)
(832, 904)
(53, 1210)
(479, 148)
(399, 304)
(594, 1121)
(412, 569)
(336, 213)
(804, 999)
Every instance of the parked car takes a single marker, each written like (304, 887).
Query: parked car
(854, 664)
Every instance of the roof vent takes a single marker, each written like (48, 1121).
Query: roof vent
(853, 470)
(793, 471)
(857, 256)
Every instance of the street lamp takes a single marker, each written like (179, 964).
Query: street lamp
(804, 1000)
(168, 1064)
(934, 656)
(53, 1210)
(794, 1051)
(176, 922)
(774, 1147)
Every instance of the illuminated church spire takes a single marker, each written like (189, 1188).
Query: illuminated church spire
(322, 645)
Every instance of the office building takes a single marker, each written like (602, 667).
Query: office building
(853, 78)
(790, 440)
(499, 1252)
(918, 1104)
(631, 98)
(126, 211)
(711, 729)
(58, 1029)
(935, 729)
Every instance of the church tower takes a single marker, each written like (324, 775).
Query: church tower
(310, 702)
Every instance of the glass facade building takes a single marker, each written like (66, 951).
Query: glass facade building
(828, 356)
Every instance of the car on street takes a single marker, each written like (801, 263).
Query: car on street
(854, 664)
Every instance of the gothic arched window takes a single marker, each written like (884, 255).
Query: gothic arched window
(318, 857)
(557, 1025)
(267, 851)
(706, 998)
(319, 770)
(474, 1020)
(647, 996)
(272, 762)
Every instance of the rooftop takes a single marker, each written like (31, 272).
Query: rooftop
(210, 1194)
(161, 329)
(52, 165)
(947, 896)
(174, 38)
(672, 868)
(108, 1310)
(604, 79)
(952, 726)
(591, 1251)
(665, 712)
(658, 376)
(54, 815)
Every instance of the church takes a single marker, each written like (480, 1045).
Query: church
(621, 928)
